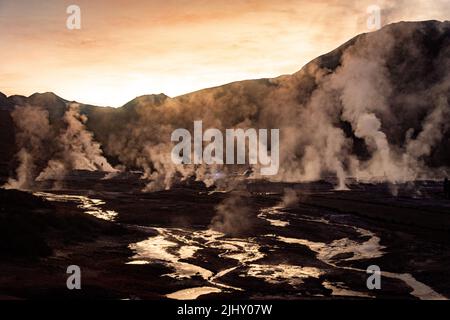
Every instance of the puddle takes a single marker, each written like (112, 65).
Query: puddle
(88, 205)
(282, 273)
(269, 214)
(160, 249)
(192, 293)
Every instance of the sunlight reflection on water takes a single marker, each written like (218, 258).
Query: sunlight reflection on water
(89, 206)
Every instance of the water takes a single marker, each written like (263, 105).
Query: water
(192, 293)
(173, 246)
(359, 250)
(283, 273)
(88, 205)
(246, 252)
(269, 214)
(162, 250)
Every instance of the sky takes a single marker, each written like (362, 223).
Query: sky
(128, 48)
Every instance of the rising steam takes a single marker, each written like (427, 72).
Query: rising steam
(375, 109)
(366, 96)
(48, 153)
(233, 215)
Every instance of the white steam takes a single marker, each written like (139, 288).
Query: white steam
(46, 153)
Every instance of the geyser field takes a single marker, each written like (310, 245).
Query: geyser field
(265, 240)
(363, 153)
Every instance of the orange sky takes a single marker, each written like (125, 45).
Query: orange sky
(129, 48)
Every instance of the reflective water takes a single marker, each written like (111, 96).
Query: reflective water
(177, 248)
(88, 205)
(359, 250)
(192, 293)
(161, 249)
(282, 273)
(269, 214)
(173, 244)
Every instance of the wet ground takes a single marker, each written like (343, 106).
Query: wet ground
(301, 241)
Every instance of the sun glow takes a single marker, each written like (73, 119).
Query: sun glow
(174, 47)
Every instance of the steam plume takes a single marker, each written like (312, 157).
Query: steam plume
(46, 152)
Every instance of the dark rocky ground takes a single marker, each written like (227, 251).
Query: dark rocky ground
(39, 239)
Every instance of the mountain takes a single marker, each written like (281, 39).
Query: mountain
(375, 107)
(6, 103)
